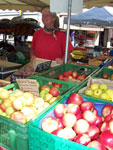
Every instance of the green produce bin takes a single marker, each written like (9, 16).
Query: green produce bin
(54, 72)
(103, 70)
(41, 140)
(14, 135)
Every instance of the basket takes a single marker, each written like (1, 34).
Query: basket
(42, 140)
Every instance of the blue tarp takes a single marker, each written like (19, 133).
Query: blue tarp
(97, 16)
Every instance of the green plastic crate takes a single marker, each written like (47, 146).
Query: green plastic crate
(99, 73)
(54, 72)
(89, 97)
(14, 135)
(41, 140)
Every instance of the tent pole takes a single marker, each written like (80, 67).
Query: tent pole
(68, 30)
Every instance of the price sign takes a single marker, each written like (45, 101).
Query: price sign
(28, 85)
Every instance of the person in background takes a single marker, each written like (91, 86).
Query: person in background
(49, 42)
(73, 40)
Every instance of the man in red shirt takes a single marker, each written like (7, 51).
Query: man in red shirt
(49, 42)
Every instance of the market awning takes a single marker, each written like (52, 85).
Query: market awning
(38, 5)
(24, 5)
(98, 3)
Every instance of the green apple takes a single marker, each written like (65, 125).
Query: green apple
(104, 96)
(43, 93)
(88, 92)
(9, 110)
(103, 87)
(97, 93)
(94, 86)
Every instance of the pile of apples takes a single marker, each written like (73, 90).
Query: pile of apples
(67, 75)
(106, 76)
(99, 91)
(79, 121)
(49, 94)
(23, 106)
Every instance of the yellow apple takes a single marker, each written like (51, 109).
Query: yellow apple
(39, 102)
(94, 86)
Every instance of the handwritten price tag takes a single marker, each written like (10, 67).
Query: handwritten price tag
(28, 85)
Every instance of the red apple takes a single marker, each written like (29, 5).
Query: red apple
(93, 131)
(60, 124)
(60, 77)
(83, 139)
(49, 124)
(59, 110)
(65, 74)
(54, 91)
(74, 74)
(17, 104)
(84, 75)
(65, 78)
(58, 132)
(108, 117)
(111, 125)
(105, 76)
(107, 139)
(89, 116)
(70, 72)
(104, 126)
(75, 98)
(95, 111)
(99, 120)
(58, 85)
(87, 106)
(45, 87)
(6, 103)
(70, 77)
(81, 126)
(69, 119)
(69, 133)
(73, 108)
(80, 78)
(97, 145)
(79, 115)
(18, 116)
(106, 110)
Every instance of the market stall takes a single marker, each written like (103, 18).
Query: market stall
(51, 110)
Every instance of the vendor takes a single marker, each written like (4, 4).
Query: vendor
(49, 42)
